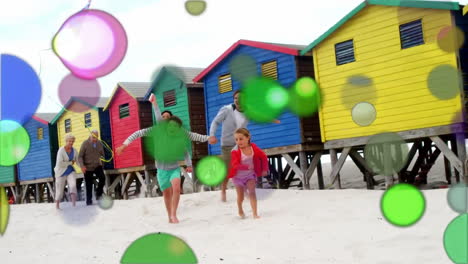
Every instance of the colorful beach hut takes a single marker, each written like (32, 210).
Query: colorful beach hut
(176, 92)
(399, 62)
(80, 124)
(129, 111)
(294, 139)
(37, 168)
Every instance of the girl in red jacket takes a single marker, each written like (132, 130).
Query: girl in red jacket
(247, 163)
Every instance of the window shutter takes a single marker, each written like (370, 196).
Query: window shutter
(169, 98)
(344, 52)
(225, 83)
(87, 118)
(124, 111)
(270, 70)
(40, 133)
(67, 126)
(411, 34)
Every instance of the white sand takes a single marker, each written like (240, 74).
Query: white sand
(334, 226)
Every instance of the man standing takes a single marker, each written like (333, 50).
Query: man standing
(90, 160)
(231, 118)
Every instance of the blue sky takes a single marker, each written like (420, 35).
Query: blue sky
(161, 32)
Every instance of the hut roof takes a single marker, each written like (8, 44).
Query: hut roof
(408, 3)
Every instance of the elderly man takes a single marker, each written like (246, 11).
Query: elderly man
(90, 160)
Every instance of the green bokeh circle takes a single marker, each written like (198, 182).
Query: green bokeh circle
(386, 153)
(211, 170)
(403, 205)
(14, 143)
(304, 97)
(262, 99)
(167, 143)
(456, 239)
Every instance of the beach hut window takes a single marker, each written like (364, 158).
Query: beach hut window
(68, 126)
(411, 34)
(169, 98)
(40, 133)
(225, 83)
(344, 52)
(270, 70)
(87, 120)
(124, 111)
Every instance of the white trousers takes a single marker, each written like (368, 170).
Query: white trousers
(60, 185)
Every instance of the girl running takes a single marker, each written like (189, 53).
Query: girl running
(247, 163)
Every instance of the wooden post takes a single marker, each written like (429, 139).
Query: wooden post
(147, 182)
(303, 164)
(36, 192)
(454, 147)
(334, 159)
(320, 175)
(388, 170)
(461, 149)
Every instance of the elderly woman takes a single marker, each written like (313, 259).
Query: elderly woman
(64, 171)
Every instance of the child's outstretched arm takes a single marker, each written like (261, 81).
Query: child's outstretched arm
(197, 137)
(156, 110)
(137, 134)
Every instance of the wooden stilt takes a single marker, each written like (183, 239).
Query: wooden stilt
(388, 170)
(454, 160)
(454, 148)
(37, 194)
(335, 176)
(313, 164)
(461, 151)
(303, 166)
(320, 175)
(337, 165)
(147, 183)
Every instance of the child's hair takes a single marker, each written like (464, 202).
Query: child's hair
(175, 119)
(244, 131)
(236, 92)
(167, 111)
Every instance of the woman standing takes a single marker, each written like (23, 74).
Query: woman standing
(64, 171)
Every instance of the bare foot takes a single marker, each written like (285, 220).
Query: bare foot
(256, 216)
(241, 215)
(174, 220)
(223, 196)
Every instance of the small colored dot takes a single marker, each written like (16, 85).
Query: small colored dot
(159, 248)
(167, 142)
(403, 205)
(444, 82)
(90, 43)
(457, 198)
(14, 142)
(450, 39)
(386, 153)
(243, 67)
(262, 99)
(211, 170)
(304, 97)
(456, 239)
(195, 8)
(106, 202)
(363, 114)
